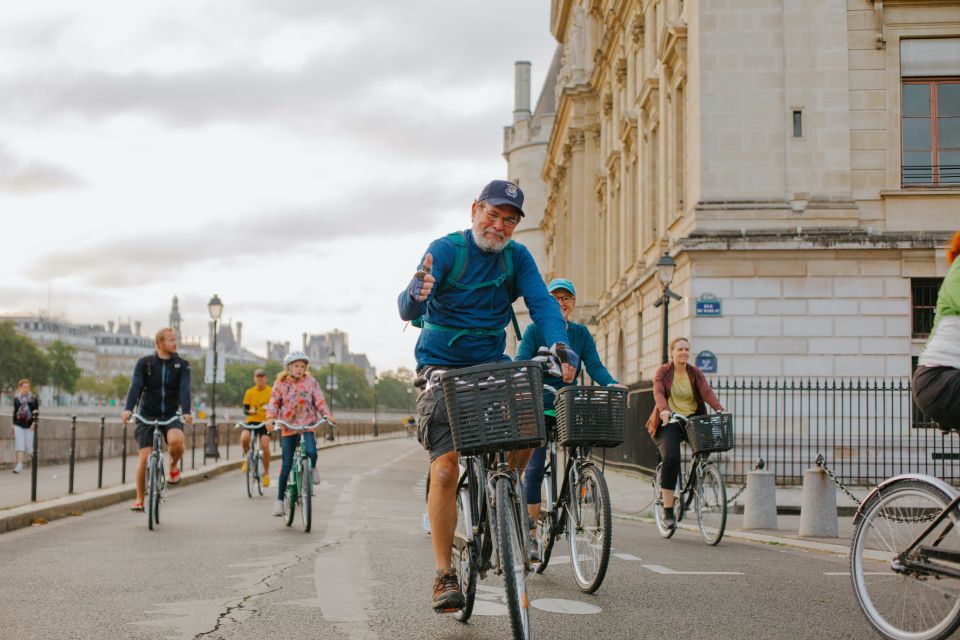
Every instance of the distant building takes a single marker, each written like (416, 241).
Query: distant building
(119, 349)
(318, 348)
(45, 331)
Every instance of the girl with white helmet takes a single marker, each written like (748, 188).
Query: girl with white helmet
(298, 400)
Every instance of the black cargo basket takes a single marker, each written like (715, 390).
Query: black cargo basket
(591, 416)
(708, 434)
(495, 406)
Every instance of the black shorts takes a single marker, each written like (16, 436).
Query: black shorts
(433, 426)
(144, 433)
(936, 390)
(260, 432)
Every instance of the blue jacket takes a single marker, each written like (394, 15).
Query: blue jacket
(581, 342)
(485, 308)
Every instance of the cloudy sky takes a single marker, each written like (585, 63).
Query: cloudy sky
(293, 156)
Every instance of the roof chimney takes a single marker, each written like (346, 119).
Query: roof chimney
(110, 326)
(239, 336)
(521, 94)
(136, 326)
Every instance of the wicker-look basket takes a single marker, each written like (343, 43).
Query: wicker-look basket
(591, 416)
(495, 406)
(709, 434)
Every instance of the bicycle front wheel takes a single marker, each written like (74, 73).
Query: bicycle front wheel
(711, 504)
(250, 473)
(153, 492)
(658, 505)
(512, 558)
(306, 494)
(902, 603)
(463, 557)
(258, 467)
(290, 500)
(589, 525)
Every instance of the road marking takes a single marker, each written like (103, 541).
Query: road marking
(626, 556)
(865, 573)
(666, 571)
(557, 605)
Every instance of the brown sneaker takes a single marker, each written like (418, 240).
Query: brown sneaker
(447, 596)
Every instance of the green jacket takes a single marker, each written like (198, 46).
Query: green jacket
(948, 300)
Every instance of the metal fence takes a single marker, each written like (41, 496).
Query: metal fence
(867, 430)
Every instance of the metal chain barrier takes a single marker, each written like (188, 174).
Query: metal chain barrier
(757, 467)
(822, 463)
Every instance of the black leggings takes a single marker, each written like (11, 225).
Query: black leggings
(668, 441)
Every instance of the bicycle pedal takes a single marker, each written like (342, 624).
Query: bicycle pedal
(447, 610)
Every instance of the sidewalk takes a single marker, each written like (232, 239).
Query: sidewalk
(632, 497)
(54, 500)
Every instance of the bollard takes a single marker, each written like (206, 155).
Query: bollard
(34, 458)
(100, 455)
(818, 506)
(228, 443)
(760, 501)
(123, 456)
(73, 451)
(193, 446)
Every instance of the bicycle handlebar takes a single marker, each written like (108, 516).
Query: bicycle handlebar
(250, 425)
(157, 422)
(293, 427)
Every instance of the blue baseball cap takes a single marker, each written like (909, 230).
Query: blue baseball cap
(561, 283)
(500, 192)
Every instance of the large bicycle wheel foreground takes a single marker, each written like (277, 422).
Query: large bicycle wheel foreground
(463, 558)
(904, 604)
(664, 530)
(512, 560)
(306, 494)
(710, 503)
(590, 528)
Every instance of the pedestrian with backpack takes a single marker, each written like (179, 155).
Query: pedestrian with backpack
(461, 297)
(25, 404)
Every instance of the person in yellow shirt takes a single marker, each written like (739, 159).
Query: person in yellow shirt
(255, 402)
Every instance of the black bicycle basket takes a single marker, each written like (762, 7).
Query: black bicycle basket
(495, 406)
(591, 416)
(707, 434)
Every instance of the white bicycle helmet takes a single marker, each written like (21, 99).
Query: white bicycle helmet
(295, 356)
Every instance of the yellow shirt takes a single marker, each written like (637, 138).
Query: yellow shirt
(258, 400)
(681, 397)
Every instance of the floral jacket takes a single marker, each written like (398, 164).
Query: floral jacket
(298, 402)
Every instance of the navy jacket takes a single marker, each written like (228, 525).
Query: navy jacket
(160, 387)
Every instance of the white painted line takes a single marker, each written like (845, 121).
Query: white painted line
(866, 573)
(626, 556)
(662, 570)
(559, 559)
(557, 605)
(485, 608)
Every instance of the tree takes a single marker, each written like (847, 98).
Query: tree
(396, 391)
(64, 372)
(20, 358)
(119, 387)
(352, 391)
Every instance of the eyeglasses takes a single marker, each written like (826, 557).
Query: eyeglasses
(563, 298)
(493, 216)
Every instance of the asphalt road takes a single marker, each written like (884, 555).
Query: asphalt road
(220, 566)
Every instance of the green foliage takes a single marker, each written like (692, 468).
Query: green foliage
(20, 358)
(352, 391)
(238, 378)
(64, 372)
(119, 387)
(114, 389)
(395, 390)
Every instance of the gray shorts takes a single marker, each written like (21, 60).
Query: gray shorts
(433, 426)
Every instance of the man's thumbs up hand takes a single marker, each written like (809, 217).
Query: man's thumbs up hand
(422, 280)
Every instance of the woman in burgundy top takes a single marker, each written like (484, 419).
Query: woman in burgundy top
(679, 387)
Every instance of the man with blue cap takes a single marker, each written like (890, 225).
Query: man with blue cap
(461, 297)
(582, 344)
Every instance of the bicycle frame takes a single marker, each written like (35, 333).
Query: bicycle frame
(558, 505)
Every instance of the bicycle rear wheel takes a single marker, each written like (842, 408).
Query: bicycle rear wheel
(258, 467)
(306, 494)
(710, 503)
(250, 472)
(464, 556)
(513, 558)
(543, 535)
(902, 604)
(590, 528)
(152, 491)
(664, 530)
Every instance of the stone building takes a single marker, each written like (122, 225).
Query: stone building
(44, 331)
(800, 160)
(119, 347)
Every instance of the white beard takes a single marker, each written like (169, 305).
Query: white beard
(487, 244)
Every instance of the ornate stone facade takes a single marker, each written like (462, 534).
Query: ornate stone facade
(759, 144)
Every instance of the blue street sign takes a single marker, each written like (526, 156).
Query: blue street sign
(707, 362)
(708, 305)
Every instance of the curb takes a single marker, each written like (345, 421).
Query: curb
(739, 534)
(76, 505)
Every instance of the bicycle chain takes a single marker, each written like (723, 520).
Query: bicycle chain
(821, 462)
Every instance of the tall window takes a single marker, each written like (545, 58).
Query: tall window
(930, 111)
(923, 303)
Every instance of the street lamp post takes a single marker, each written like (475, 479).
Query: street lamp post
(665, 268)
(212, 450)
(332, 358)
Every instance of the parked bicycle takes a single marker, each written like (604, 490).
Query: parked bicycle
(155, 478)
(494, 409)
(905, 558)
(300, 484)
(703, 487)
(254, 473)
(587, 416)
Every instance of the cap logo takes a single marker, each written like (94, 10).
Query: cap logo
(511, 190)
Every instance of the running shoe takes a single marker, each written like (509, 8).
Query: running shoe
(266, 481)
(447, 596)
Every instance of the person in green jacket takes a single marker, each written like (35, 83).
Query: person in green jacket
(936, 382)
